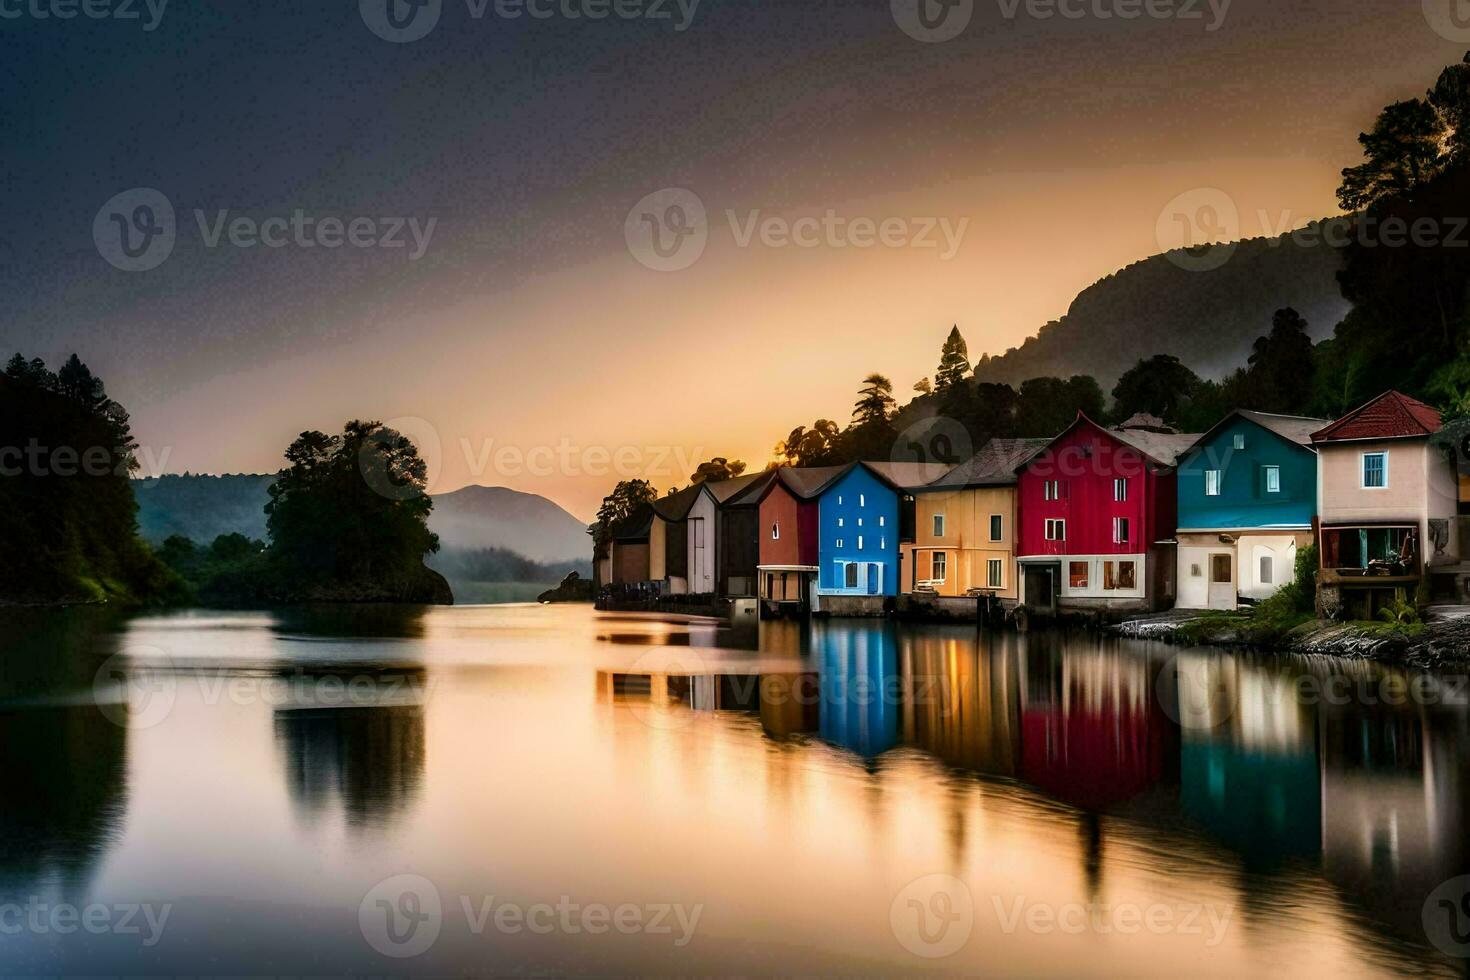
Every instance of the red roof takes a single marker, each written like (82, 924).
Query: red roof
(1391, 415)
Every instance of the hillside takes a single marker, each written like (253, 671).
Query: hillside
(203, 507)
(495, 517)
(1208, 319)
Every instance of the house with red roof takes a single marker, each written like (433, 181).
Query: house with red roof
(1095, 515)
(1388, 502)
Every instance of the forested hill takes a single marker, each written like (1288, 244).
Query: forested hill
(1208, 319)
(201, 507)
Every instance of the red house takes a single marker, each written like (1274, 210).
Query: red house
(788, 564)
(1095, 514)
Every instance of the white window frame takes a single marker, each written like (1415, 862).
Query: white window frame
(1055, 529)
(841, 521)
(1214, 482)
(939, 525)
(1273, 475)
(995, 573)
(860, 542)
(839, 543)
(882, 542)
(941, 560)
(1363, 469)
(1239, 441)
(882, 521)
(997, 520)
(1120, 490)
(862, 500)
(1119, 524)
(1052, 489)
(776, 531)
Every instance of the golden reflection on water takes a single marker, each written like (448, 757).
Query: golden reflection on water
(793, 780)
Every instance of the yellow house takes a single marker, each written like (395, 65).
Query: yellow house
(965, 525)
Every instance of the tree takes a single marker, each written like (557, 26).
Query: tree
(923, 387)
(618, 506)
(815, 446)
(1451, 98)
(1159, 386)
(1403, 150)
(875, 401)
(717, 469)
(349, 516)
(1046, 406)
(1281, 367)
(954, 362)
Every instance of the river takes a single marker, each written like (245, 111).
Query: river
(551, 790)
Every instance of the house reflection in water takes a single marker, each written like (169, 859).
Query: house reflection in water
(962, 699)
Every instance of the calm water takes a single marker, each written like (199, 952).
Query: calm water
(551, 790)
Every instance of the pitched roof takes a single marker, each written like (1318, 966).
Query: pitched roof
(675, 507)
(1161, 447)
(725, 491)
(993, 466)
(1392, 415)
(807, 482)
(635, 526)
(908, 476)
(1292, 428)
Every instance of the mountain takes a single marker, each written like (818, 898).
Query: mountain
(1208, 319)
(204, 507)
(495, 517)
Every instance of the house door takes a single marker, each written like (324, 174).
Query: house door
(1041, 586)
(1222, 582)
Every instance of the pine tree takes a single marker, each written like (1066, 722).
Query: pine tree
(875, 401)
(954, 362)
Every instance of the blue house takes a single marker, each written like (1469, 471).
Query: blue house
(863, 516)
(1247, 497)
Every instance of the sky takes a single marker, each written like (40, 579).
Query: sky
(445, 220)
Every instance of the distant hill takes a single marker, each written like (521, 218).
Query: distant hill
(204, 507)
(201, 508)
(495, 517)
(1208, 319)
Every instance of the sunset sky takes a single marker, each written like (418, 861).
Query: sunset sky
(529, 322)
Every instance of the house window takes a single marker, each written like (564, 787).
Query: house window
(1375, 471)
(1119, 575)
(860, 522)
(939, 525)
(1212, 483)
(839, 500)
(882, 542)
(1056, 530)
(1266, 569)
(862, 500)
(997, 527)
(1077, 574)
(839, 542)
(1273, 479)
(1239, 440)
(941, 563)
(1120, 530)
(776, 531)
(860, 542)
(1052, 489)
(995, 573)
(1120, 489)
(1195, 571)
(882, 522)
(850, 575)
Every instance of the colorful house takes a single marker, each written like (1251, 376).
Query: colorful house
(864, 515)
(1096, 516)
(1388, 501)
(668, 541)
(965, 525)
(1247, 500)
(788, 561)
(702, 526)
